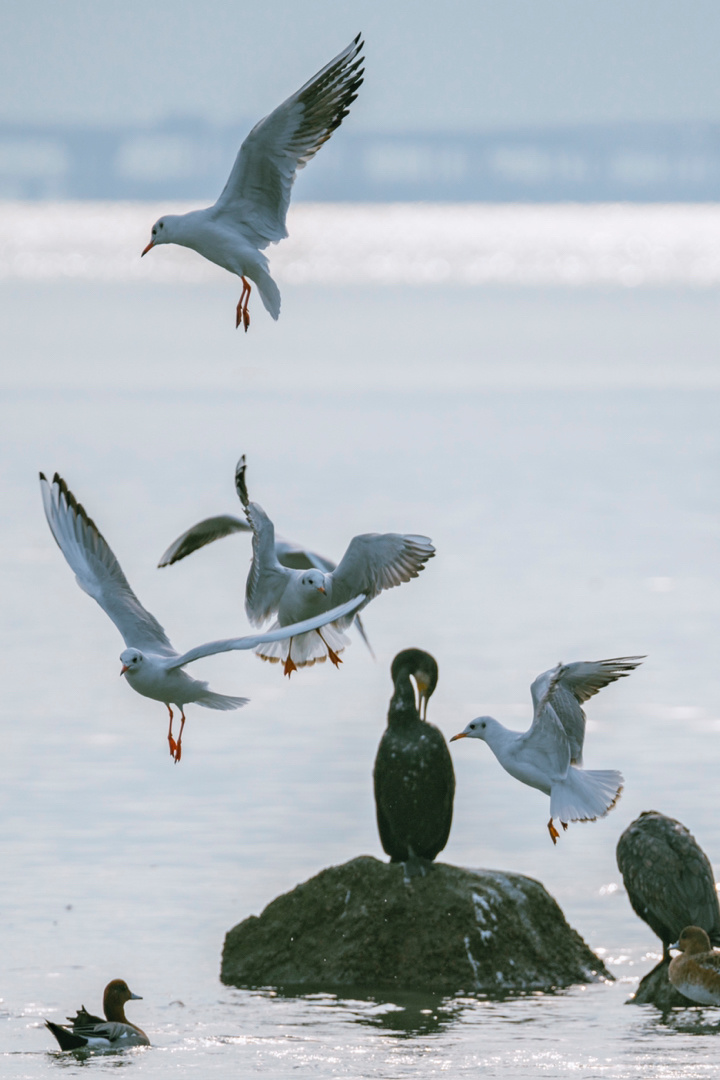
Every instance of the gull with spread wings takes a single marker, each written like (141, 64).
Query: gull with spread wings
(548, 755)
(215, 528)
(372, 562)
(251, 211)
(149, 663)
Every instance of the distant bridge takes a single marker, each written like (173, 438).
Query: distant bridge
(190, 159)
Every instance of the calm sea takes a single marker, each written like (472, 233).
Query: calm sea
(537, 390)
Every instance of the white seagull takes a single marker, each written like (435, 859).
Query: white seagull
(215, 528)
(251, 211)
(149, 663)
(372, 562)
(548, 755)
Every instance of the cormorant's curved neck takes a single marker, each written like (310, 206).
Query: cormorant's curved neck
(403, 709)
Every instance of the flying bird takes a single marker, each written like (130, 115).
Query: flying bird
(696, 971)
(150, 664)
(251, 211)
(668, 878)
(372, 562)
(215, 528)
(115, 1032)
(548, 755)
(413, 777)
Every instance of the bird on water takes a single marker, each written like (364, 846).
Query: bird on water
(696, 972)
(252, 209)
(668, 878)
(413, 776)
(548, 755)
(115, 1032)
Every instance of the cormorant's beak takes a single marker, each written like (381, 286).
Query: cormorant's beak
(145, 251)
(422, 686)
(321, 588)
(123, 669)
(462, 735)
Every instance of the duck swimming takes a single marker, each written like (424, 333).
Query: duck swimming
(696, 972)
(413, 776)
(115, 1032)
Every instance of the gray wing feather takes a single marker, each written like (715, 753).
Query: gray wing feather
(257, 193)
(566, 687)
(267, 579)
(213, 528)
(283, 632)
(377, 561)
(96, 569)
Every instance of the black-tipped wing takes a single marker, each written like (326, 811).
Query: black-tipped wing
(257, 193)
(213, 528)
(281, 634)
(566, 687)
(96, 569)
(377, 561)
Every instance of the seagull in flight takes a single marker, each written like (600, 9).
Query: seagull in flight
(548, 755)
(251, 211)
(215, 528)
(150, 664)
(372, 562)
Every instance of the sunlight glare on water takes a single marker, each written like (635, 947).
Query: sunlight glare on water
(559, 445)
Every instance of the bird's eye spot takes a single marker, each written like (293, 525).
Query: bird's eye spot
(161, 224)
(154, 232)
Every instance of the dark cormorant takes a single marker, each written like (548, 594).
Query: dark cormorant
(668, 877)
(413, 775)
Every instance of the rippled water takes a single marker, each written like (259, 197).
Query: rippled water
(561, 448)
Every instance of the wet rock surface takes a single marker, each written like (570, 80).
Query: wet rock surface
(362, 925)
(656, 989)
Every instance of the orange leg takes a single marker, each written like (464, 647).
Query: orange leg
(178, 745)
(290, 665)
(332, 655)
(242, 315)
(554, 834)
(171, 742)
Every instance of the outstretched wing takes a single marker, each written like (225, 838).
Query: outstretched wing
(267, 579)
(566, 687)
(377, 561)
(283, 632)
(257, 193)
(96, 569)
(213, 528)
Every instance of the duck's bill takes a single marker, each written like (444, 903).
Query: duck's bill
(136, 997)
(462, 735)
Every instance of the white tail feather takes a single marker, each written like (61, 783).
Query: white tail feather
(307, 649)
(585, 794)
(269, 292)
(224, 702)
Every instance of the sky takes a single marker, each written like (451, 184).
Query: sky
(462, 65)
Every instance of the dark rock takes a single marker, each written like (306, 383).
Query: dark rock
(361, 925)
(656, 989)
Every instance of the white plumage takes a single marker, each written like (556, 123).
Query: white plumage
(548, 756)
(252, 209)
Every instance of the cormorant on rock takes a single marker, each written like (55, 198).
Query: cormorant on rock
(668, 877)
(413, 775)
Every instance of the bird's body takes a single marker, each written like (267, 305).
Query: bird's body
(252, 209)
(668, 878)
(289, 554)
(150, 664)
(115, 1032)
(696, 972)
(413, 778)
(548, 756)
(379, 561)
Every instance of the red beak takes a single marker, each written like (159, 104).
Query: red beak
(151, 244)
(123, 669)
(322, 590)
(462, 735)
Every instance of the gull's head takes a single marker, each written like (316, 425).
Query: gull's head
(161, 233)
(131, 661)
(313, 581)
(479, 728)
